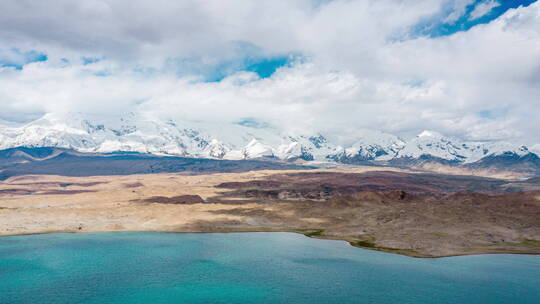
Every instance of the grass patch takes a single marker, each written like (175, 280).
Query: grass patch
(364, 243)
(530, 243)
(370, 244)
(314, 233)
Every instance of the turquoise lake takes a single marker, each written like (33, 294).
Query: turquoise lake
(147, 267)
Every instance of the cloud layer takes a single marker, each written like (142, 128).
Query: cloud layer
(352, 64)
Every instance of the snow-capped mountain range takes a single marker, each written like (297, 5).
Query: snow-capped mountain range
(247, 139)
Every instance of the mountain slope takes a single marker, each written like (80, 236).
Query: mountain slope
(9, 157)
(72, 163)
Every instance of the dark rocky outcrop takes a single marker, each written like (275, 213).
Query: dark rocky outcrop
(181, 199)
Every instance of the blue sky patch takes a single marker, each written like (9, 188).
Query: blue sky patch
(253, 123)
(263, 66)
(90, 60)
(493, 113)
(246, 56)
(17, 59)
(438, 25)
(267, 66)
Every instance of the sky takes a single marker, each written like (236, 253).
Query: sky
(465, 68)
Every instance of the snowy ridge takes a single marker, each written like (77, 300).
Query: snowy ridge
(244, 140)
(370, 145)
(436, 145)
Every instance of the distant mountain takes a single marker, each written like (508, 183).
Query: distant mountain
(23, 161)
(251, 139)
(12, 156)
(369, 146)
(509, 161)
(101, 134)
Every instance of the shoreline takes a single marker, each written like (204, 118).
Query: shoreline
(307, 233)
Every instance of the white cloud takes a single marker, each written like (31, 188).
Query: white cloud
(483, 8)
(458, 9)
(363, 68)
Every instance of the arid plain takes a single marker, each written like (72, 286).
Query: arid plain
(417, 214)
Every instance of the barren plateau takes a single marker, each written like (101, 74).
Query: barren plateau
(411, 213)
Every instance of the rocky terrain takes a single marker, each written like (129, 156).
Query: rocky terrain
(412, 213)
(415, 214)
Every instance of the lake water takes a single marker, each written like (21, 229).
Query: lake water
(146, 267)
